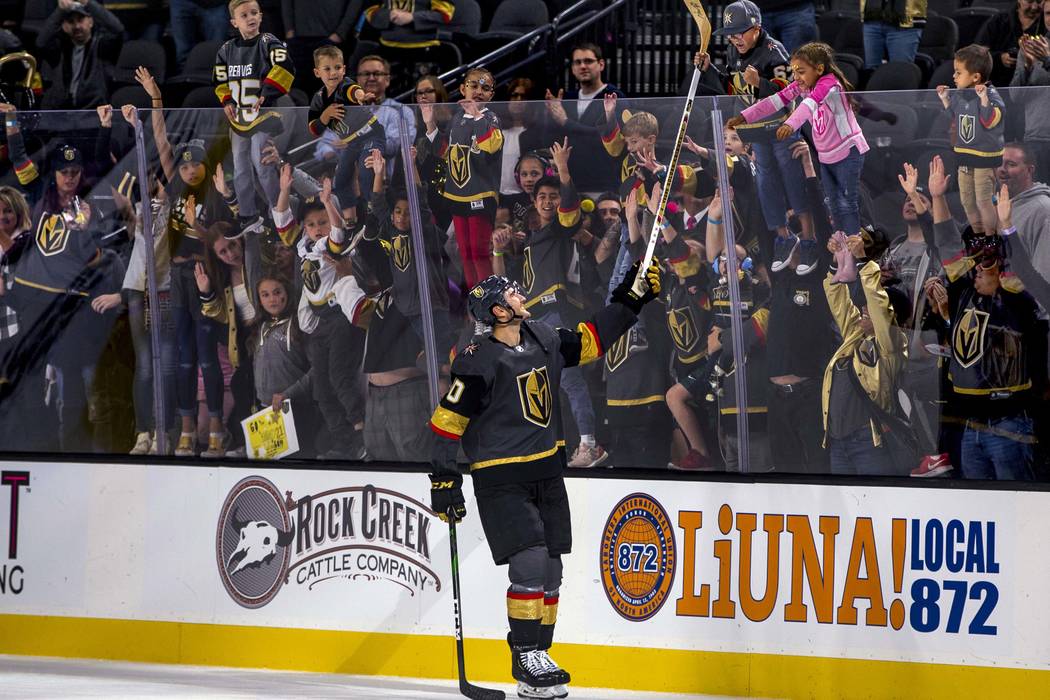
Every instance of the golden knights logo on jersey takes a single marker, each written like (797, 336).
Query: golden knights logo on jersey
(627, 168)
(382, 303)
(528, 274)
(683, 330)
(967, 127)
(534, 390)
(401, 251)
(311, 275)
(459, 164)
(403, 5)
(968, 339)
(52, 234)
(617, 353)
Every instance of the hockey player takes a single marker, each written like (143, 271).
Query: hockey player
(358, 130)
(251, 71)
(501, 405)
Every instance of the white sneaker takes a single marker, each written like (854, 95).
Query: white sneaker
(238, 453)
(143, 444)
(588, 456)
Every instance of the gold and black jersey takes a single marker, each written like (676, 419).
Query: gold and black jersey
(63, 246)
(550, 275)
(502, 403)
(251, 71)
(472, 152)
(427, 17)
(998, 346)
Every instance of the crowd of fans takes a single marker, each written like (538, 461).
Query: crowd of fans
(876, 340)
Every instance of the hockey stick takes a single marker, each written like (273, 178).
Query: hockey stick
(704, 25)
(470, 691)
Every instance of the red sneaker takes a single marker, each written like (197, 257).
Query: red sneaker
(692, 461)
(933, 465)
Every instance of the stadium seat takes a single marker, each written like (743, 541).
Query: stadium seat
(969, 20)
(517, 17)
(33, 19)
(199, 64)
(942, 75)
(465, 20)
(131, 95)
(895, 75)
(841, 29)
(140, 53)
(940, 37)
(202, 97)
(944, 8)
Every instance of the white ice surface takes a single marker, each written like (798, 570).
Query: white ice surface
(34, 677)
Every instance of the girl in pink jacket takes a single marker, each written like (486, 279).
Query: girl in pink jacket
(838, 139)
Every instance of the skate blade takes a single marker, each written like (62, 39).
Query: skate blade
(554, 691)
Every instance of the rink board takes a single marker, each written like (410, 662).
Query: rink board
(719, 588)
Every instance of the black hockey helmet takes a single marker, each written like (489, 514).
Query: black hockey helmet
(487, 293)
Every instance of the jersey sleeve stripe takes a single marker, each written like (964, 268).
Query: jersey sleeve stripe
(26, 172)
(222, 91)
(997, 116)
(280, 79)
(443, 8)
(448, 423)
(592, 345)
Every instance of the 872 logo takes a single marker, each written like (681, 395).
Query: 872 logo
(638, 557)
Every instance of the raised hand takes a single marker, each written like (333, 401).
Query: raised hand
(654, 200)
(105, 116)
(909, 180)
(609, 102)
(785, 131)
(937, 183)
(1004, 207)
(630, 205)
(376, 162)
(148, 83)
(560, 153)
(501, 238)
(326, 191)
(471, 107)
(287, 177)
(982, 93)
(942, 93)
(218, 179)
(714, 210)
(189, 214)
(555, 107)
(693, 147)
(130, 114)
(201, 276)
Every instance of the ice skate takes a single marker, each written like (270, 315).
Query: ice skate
(528, 668)
(555, 691)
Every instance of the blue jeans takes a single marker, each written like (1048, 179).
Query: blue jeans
(793, 27)
(197, 339)
(142, 390)
(351, 160)
(883, 40)
(857, 454)
(781, 182)
(191, 24)
(249, 169)
(842, 188)
(575, 386)
(999, 451)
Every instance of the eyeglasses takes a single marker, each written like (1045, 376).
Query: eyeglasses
(584, 61)
(366, 74)
(425, 91)
(478, 85)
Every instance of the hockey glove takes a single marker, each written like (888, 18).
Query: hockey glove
(446, 495)
(630, 297)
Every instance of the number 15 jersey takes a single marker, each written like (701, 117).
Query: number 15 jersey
(247, 70)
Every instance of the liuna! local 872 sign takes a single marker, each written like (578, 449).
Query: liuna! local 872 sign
(865, 567)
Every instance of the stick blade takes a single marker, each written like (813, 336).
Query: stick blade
(477, 693)
(696, 9)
